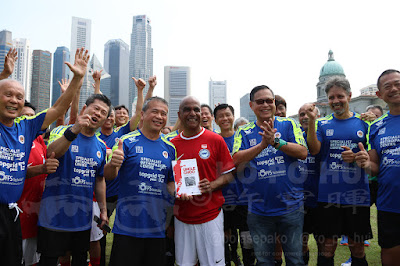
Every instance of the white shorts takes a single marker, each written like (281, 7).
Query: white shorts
(203, 242)
(29, 253)
(96, 233)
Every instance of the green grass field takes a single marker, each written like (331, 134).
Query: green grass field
(342, 252)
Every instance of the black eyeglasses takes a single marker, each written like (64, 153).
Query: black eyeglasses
(262, 101)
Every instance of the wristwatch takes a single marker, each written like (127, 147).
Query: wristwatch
(278, 143)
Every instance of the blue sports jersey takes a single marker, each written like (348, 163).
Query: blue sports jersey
(310, 169)
(15, 147)
(143, 196)
(340, 182)
(171, 135)
(272, 179)
(384, 137)
(110, 140)
(234, 189)
(67, 200)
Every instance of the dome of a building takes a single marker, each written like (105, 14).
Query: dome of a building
(331, 67)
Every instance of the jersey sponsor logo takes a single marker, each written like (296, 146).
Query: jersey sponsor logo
(10, 180)
(165, 154)
(248, 132)
(98, 154)
(132, 139)
(204, 154)
(21, 139)
(391, 162)
(379, 123)
(147, 189)
(329, 132)
(253, 142)
(278, 134)
(360, 134)
(74, 148)
(382, 131)
(139, 149)
(80, 182)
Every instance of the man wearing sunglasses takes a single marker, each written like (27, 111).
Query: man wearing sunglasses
(266, 153)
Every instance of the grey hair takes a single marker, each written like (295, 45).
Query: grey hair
(238, 121)
(154, 98)
(338, 82)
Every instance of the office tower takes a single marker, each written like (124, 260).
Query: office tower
(141, 54)
(176, 86)
(5, 45)
(80, 37)
(116, 63)
(60, 71)
(23, 66)
(41, 71)
(245, 110)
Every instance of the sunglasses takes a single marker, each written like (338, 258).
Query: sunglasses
(262, 101)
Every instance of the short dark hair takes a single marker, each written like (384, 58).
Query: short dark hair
(121, 106)
(100, 97)
(384, 73)
(221, 107)
(279, 100)
(209, 108)
(154, 98)
(28, 104)
(258, 88)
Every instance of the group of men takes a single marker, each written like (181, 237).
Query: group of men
(273, 180)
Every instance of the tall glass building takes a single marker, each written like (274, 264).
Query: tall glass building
(60, 71)
(5, 45)
(176, 86)
(141, 54)
(22, 69)
(116, 63)
(41, 75)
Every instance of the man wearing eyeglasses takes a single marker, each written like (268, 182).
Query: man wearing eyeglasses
(266, 153)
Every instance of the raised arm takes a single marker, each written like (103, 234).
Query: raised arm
(63, 86)
(314, 145)
(62, 103)
(140, 84)
(9, 63)
(61, 145)
(97, 77)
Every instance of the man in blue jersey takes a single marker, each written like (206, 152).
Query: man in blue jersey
(235, 206)
(271, 147)
(382, 160)
(17, 134)
(139, 226)
(65, 216)
(343, 192)
(310, 170)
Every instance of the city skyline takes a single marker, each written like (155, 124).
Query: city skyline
(282, 45)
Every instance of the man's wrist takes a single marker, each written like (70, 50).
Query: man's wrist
(69, 135)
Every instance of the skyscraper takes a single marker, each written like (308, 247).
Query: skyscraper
(141, 54)
(80, 37)
(116, 63)
(5, 45)
(60, 70)
(176, 86)
(41, 71)
(23, 66)
(216, 92)
(245, 110)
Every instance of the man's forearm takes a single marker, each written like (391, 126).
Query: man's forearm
(100, 193)
(222, 181)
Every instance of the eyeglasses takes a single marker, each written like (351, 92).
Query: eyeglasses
(262, 101)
